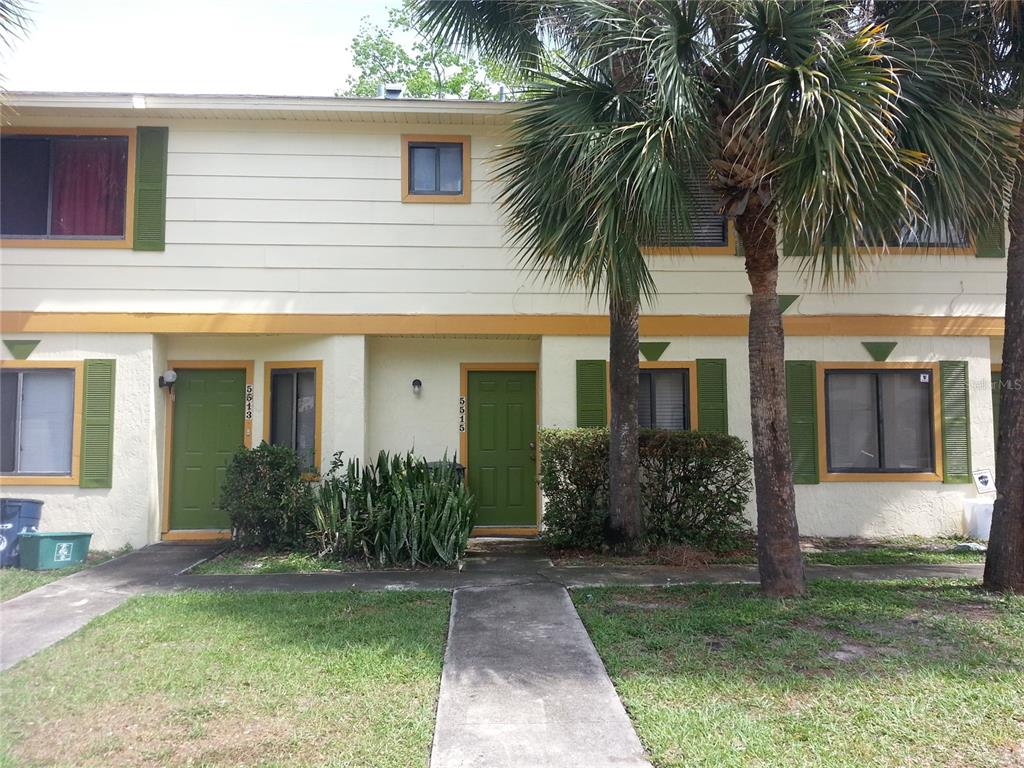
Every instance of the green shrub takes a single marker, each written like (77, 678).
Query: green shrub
(267, 500)
(694, 487)
(398, 511)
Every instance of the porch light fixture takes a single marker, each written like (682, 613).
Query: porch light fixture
(417, 387)
(167, 379)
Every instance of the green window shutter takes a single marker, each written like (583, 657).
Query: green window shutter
(150, 189)
(956, 421)
(712, 396)
(802, 407)
(997, 399)
(591, 393)
(990, 242)
(97, 468)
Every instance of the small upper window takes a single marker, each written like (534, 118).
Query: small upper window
(663, 400)
(926, 235)
(435, 169)
(708, 225)
(879, 421)
(293, 412)
(37, 417)
(71, 187)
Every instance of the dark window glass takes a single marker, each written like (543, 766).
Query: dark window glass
(435, 169)
(63, 186)
(24, 185)
(663, 400)
(879, 421)
(926, 235)
(293, 413)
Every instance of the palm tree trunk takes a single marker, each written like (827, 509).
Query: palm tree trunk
(625, 523)
(1004, 564)
(779, 559)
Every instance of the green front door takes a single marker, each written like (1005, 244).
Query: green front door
(209, 423)
(502, 426)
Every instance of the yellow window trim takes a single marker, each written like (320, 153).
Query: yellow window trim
(129, 192)
(879, 477)
(409, 197)
(78, 366)
(318, 368)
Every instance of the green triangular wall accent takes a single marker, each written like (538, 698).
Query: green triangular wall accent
(653, 350)
(786, 300)
(20, 349)
(879, 350)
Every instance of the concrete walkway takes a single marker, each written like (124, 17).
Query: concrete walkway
(523, 686)
(44, 616)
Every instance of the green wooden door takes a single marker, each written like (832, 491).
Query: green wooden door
(209, 423)
(502, 426)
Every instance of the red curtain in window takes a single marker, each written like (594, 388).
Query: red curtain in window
(89, 180)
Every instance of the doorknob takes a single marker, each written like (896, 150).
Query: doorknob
(532, 446)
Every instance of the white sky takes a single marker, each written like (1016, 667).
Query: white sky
(263, 47)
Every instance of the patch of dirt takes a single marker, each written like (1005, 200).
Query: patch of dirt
(154, 733)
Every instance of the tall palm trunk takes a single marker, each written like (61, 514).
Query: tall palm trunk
(625, 524)
(779, 560)
(1004, 565)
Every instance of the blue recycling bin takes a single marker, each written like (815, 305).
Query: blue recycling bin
(17, 516)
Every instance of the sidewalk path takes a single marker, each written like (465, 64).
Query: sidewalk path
(523, 686)
(44, 616)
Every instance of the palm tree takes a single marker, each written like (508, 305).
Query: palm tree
(821, 123)
(1004, 564)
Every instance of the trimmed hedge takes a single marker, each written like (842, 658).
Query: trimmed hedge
(694, 487)
(269, 503)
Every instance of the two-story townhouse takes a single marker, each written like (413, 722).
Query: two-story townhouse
(185, 274)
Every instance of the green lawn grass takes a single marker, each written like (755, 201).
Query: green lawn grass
(234, 679)
(923, 674)
(15, 581)
(236, 562)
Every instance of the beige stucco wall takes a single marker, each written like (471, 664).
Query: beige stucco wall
(829, 508)
(343, 418)
(429, 423)
(127, 512)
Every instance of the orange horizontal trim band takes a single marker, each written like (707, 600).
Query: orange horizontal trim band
(485, 325)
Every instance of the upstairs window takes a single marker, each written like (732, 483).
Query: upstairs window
(435, 169)
(880, 420)
(710, 228)
(663, 401)
(293, 416)
(926, 235)
(63, 187)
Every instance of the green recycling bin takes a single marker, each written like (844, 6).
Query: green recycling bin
(46, 551)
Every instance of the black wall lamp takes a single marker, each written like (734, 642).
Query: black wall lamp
(417, 387)
(167, 379)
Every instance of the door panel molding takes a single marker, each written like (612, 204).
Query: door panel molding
(464, 370)
(249, 367)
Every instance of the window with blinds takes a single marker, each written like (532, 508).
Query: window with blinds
(663, 401)
(879, 421)
(925, 235)
(293, 413)
(709, 225)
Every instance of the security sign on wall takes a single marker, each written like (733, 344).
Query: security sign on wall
(984, 481)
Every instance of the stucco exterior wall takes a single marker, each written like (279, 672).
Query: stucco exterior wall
(343, 417)
(127, 512)
(829, 508)
(429, 423)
